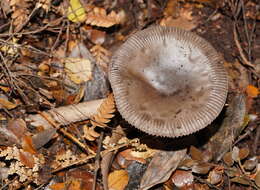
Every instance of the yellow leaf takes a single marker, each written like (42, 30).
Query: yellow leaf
(118, 180)
(6, 104)
(79, 70)
(252, 91)
(76, 13)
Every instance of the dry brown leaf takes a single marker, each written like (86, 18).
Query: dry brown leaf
(90, 133)
(182, 178)
(196, 154)
(185, 21)
(99, 17)
(45, 4)
(257, 179)
(179, 22)
(7, 104)
(20, 12)
(127, 154)
(161, 167)
(75, 98)
(17, 127)
(216, 175)
(96, 36)
(57, 186)
(27, 145)
(105, 112)
(27, 159)
(79, 70)
(171, 8)
(101, 55)
(118, 180)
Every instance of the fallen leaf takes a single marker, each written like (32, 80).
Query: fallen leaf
(17, 127)
(118, 180)
(76, 13)
(196, 154)
(7, 104)
(27, 159)
(179, 22)
(127, 154)
(79, 70)
(227, 158)
(57, 186)
(181, 178)
(201, 168)
(27, 145)
(257, 179)
(98, 17)
(161, 167)
(243, 153)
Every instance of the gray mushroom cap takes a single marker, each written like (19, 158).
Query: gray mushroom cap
(168, 82)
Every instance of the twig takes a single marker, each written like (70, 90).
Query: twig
(244, 59)
(58, 37)
(97, 160)
(204, 181)
(248, 131)
(28, 18)
(56, 125)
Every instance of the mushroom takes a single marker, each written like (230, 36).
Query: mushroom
(168, 82)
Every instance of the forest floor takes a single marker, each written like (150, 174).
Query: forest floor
(59, 126)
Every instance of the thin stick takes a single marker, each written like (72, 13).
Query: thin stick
(97, 160)
(244, 59)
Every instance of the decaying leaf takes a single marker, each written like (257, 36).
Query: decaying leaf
(257, 179)
(196, 154)
(216, 175)
(161, 167)
(117, 180)
(18, 127)
(101, 55)
(182, 178)
(184, 21)
(201, 168)
(227, 158)
(57, 186)
(45, 4)
(27, 159)
(7, 104)
(76, 13)
(20, 12)
(27, 144)
(79, 70)
(99, 17)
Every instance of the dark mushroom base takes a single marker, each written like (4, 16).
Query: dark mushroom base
(168, 82)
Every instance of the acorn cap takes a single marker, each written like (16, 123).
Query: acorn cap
(168, 82)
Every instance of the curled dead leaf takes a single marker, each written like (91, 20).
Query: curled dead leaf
(118, 180)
